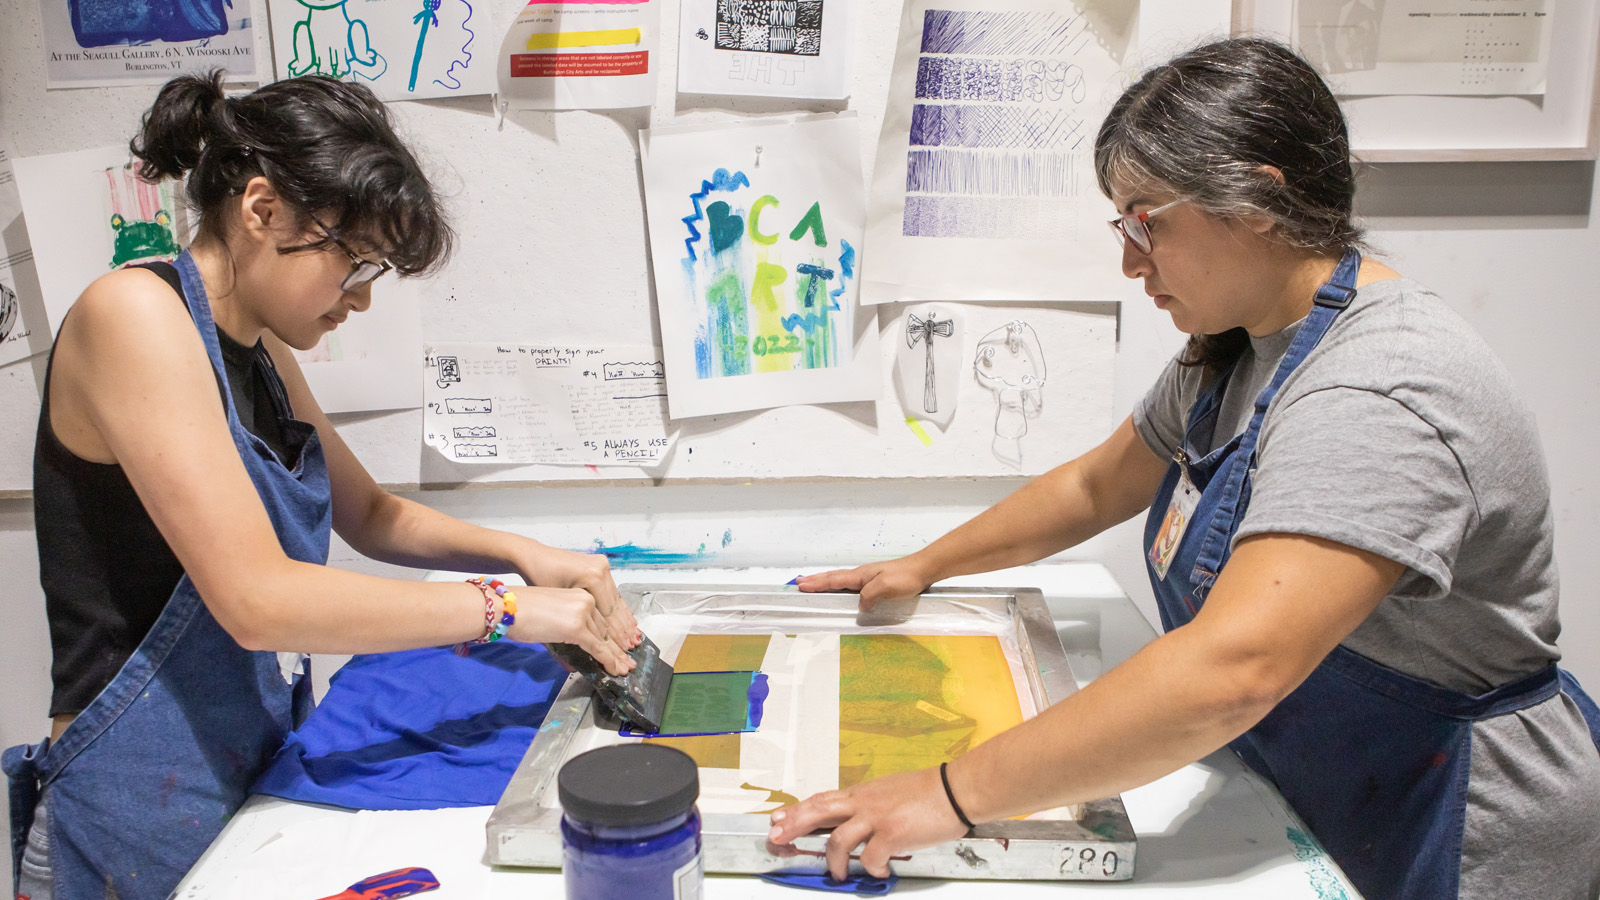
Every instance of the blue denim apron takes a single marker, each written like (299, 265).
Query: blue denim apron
(145, 777)
(1374, 760)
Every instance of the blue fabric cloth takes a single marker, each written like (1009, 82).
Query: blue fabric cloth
(419, 729)
(857, 883)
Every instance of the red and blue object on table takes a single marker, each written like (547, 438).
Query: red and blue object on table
(390, 885)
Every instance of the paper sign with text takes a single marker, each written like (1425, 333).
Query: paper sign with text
(521, 403)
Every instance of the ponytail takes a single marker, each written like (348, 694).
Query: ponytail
(327, 147)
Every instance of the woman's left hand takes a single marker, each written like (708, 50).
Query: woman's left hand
(550, 567)
(891, 815)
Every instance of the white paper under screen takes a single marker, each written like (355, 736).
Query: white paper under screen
(768, 48)
(755, 236)
(1436, 47)
(984, 186)
(402, 49)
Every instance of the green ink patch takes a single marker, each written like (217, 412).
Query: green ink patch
(704, 703)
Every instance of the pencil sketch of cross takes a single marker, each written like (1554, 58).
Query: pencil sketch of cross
(925, 330)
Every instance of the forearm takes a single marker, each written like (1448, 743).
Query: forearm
(290, 605)
(404, 533)
(1131, 726)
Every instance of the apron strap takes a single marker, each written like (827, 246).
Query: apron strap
(1585, 704)
(21, 766)
(1331, 299)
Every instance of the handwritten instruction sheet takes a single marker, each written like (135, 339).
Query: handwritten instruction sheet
(519, 404)
(1452, 47)
(97, 43)
(984, 187)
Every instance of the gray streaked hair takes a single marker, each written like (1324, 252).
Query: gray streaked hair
(1205, 125)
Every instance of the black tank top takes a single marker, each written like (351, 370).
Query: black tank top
(106, 571)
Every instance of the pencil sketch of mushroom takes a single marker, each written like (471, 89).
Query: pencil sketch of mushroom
(1010, 362)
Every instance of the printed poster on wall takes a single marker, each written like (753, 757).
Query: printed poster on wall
(94, 43)
(755, 237)
(402, 49)
(984, 186)
(581, 54)
(768, 48)
(89, 213)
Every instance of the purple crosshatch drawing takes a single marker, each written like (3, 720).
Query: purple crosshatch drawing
(995, 125)
(770, 26)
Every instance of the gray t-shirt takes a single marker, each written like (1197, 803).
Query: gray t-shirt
(1401, 434)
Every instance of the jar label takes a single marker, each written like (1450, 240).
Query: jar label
(686, 881)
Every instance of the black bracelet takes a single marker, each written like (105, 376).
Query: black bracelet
(952, 797)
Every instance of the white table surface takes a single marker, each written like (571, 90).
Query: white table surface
(1210, 830)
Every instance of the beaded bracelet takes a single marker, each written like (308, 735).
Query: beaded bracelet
(493, 589)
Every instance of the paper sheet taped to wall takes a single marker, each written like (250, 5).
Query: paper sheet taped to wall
(520, 403)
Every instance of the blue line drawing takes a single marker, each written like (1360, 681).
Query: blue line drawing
(1000, 33)
(428, 16)
(451, 78)
(101, 23)
(996, 80)
(1021, 218)
(998, 174)
(988, 83)
(975, 125)
(720, 181)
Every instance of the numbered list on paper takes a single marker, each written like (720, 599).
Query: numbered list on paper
(520, 403)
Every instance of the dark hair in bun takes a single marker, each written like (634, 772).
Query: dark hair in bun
(327, 146)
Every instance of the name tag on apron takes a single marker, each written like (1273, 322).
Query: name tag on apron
(1179, 511)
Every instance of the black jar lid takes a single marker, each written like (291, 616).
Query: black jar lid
(628, 784)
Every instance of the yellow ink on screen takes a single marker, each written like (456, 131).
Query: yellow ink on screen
(907, 702)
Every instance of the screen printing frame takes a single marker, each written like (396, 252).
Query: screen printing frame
(1097, 845)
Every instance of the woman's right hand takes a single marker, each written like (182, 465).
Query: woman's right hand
(875, 582)
(568, 616)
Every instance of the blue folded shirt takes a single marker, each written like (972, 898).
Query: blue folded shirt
(419, 729)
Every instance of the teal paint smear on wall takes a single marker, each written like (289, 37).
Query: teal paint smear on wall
(631, 554)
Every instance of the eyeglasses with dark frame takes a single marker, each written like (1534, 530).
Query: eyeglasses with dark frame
(362, 271)
(1132, 227)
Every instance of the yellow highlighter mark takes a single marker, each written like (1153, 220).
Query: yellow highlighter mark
(919, 431)
(555, 39)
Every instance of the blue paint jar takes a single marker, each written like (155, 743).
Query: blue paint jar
(629, 826)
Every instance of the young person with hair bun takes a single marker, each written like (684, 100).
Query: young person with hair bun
(1348, 534)
(185, 484)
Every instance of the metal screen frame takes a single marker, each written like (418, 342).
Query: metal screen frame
(525, 830)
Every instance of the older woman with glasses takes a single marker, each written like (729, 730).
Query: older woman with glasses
(1348, 534)
(185, 483)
